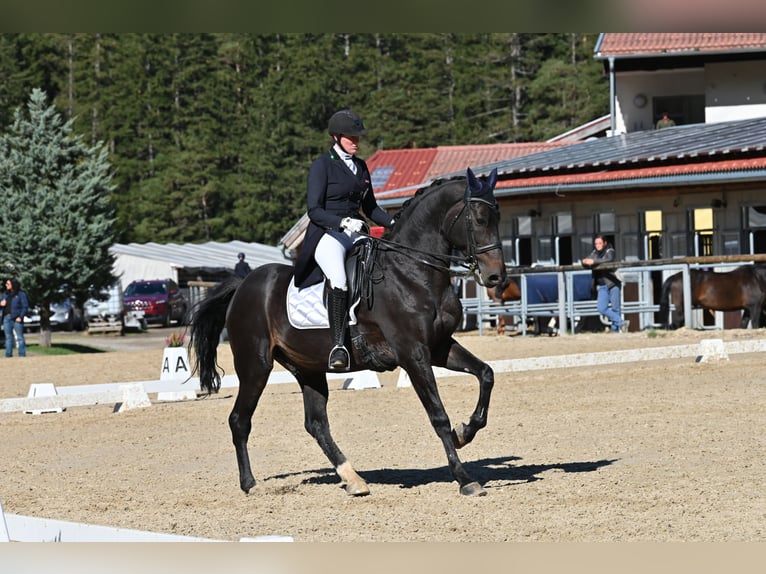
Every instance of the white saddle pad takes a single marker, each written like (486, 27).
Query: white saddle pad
(306, 310)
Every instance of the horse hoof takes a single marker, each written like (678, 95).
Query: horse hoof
(246, 485)
(473, 489)
(458, 435)
(357, 489)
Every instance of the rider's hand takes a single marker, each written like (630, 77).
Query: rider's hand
(352, 224)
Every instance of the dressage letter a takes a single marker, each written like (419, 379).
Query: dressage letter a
(175, 364)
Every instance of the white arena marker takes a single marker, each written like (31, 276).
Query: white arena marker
(177, 395)
(43, 390)
(362, 380)
(175, 364)
(403, 380)
(712, 350)
(133, 397)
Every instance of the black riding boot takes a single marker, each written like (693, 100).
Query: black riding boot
(337, 308)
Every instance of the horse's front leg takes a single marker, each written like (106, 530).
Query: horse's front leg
(315, 394)
(462, 360)
(424, 383)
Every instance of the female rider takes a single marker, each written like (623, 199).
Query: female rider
(339, 184)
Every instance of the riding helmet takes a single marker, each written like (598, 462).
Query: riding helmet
(346, 122)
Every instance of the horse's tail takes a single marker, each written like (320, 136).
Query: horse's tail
(207, 323)
(667, 286)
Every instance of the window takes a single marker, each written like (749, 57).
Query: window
(563, 224)
(606, 222)
(688, 109)
(702, 229)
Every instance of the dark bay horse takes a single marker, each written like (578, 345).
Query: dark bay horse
(508, 290)
(407, 317)
(742, 288)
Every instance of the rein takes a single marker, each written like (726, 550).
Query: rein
(468, 261)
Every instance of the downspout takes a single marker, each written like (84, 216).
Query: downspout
(611, 94)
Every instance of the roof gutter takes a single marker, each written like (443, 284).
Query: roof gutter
(661, 181)
(681, 52)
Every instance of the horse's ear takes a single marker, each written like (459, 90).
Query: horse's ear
(492, 180)
(474, 185)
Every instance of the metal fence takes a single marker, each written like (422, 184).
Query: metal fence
(569, 312)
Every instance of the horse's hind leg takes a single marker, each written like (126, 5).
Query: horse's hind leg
(253, 374)
(315, 394)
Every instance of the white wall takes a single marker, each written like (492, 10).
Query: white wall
(129, 268)
(735, 91)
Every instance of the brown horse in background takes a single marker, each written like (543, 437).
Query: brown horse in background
(508, 290)
(742, 288)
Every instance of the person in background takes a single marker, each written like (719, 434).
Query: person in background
(608, 286)
(665, 121)
(339, 187)
(242, 268)
(15, 306)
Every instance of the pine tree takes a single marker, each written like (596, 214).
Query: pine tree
(54, 209)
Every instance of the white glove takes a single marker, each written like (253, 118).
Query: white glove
(352, 224)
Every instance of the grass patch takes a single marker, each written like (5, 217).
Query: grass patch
(62, 349)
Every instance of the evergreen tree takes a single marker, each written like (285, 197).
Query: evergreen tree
(211, 135)
(54, 208)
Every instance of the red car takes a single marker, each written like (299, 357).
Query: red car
(154, 301)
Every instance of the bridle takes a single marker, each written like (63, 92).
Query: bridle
(468, 261)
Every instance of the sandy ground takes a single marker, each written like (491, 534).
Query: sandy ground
(668, 450)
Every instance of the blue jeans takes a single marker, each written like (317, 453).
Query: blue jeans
(10, 327)
(609, 305)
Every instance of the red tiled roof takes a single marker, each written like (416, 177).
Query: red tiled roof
(416, 167)
(410, 166)
(450, 159)
(645, 172)
(634, 44)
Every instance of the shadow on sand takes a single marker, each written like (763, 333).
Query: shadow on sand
(491, 472)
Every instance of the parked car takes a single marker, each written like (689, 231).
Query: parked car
(105, 312)
(154, 301)
(64, 315)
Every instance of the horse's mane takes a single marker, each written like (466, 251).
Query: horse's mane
(408, 207)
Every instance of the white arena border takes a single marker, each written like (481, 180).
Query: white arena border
(18, 528)
(57, 398)
(704, 351)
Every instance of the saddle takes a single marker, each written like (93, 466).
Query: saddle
(306, 308)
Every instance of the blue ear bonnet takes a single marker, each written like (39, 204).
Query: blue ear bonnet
(478, 189)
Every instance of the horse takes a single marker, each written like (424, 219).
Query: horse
(508, 290)
(406, 318)
(743, 288)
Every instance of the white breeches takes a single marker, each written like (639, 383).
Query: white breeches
(330, 255)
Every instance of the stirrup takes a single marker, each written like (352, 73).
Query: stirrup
(339, 359)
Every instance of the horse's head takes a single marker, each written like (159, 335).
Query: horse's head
(508, 290)
(478, 236)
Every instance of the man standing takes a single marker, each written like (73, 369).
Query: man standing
(665, 121)
(242, 268)
(608, 286)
